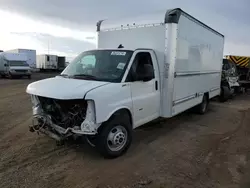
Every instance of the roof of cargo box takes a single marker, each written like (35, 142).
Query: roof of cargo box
(169, 16)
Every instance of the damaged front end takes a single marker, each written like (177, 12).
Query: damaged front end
(60, 119)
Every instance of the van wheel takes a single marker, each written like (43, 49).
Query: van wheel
(224, 94)
(29, 77)
(115, 136)
(10, 76)
(202, 107)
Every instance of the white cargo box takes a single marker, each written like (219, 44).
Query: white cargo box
(189, 54)
(31, 55)
(45, 61)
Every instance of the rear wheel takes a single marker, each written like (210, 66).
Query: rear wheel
(115, 136)
(29, 76)
(10, 75)
(224, 94)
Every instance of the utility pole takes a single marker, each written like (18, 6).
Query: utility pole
(48, 46)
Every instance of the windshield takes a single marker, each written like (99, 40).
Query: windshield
(101, 65)
(18, 63)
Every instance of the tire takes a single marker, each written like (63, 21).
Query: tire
(224, 94)
(10, 76)
(117, 129)
(202, 107)
(29, 77)
(222, 97)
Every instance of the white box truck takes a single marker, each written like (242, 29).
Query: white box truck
(14, 64)
(46, 62)
(31, 55)
(139, 72)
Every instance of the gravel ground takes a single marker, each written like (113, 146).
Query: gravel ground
(187, 151)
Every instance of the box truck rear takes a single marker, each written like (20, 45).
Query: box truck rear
(140, 72)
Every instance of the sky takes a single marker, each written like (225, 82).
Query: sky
(68, 27)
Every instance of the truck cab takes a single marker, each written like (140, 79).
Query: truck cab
(117, 89)
(133, 76)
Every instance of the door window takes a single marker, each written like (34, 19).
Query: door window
(142, 68)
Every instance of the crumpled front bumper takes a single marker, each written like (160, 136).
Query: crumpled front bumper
(43, 123)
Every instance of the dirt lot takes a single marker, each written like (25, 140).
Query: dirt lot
(187, 151)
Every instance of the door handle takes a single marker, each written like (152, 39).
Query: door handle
(156, 85)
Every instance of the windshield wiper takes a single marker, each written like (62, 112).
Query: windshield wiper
(85, 76)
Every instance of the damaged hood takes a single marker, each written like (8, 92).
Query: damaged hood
(63, 88)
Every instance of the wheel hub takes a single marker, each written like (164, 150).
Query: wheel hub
(117, 138)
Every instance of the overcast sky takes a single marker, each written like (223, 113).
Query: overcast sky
(67, 27)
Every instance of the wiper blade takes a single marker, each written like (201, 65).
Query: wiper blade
(85, 76)
(64, 75)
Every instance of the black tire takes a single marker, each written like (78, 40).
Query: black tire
(10, 76)
(224, 94)
(222, 97)
(29, 77)
(203, 106)
(121, 120)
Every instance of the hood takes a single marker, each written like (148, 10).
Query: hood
(63, 88)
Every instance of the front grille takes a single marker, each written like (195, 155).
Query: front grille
(65, 113)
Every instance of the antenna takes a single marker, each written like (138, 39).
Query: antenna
(48, 46)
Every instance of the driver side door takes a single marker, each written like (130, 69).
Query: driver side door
(145, 93)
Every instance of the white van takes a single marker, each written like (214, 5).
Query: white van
(14, 64)
(140, 72)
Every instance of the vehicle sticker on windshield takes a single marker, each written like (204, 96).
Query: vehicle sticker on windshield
(118, 53)
(120, 66)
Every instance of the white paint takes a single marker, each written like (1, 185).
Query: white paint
(62, 88)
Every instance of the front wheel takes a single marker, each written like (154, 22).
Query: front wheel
(115, 136)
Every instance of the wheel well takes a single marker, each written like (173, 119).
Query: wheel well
(118, 113)
(207, 95)
(122, 111)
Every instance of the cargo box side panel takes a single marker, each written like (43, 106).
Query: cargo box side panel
(198, 64)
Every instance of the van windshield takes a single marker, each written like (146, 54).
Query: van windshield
(101, 65)
(18, 63)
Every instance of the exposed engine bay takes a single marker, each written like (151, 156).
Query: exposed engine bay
(64, 113)
(62, 118)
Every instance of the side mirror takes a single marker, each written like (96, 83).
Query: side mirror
(5, 64)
